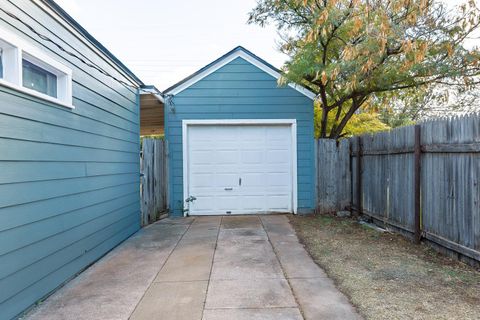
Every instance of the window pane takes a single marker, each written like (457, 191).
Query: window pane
(1, 63)
(39, 79)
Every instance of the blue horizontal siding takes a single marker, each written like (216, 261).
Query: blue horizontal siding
(242, 101)
(26, 129)
(25, 106)
(234, 84)
(224, 76)
(69, 179)
(18, 193)
(196, 110)
(85, 252)
(16, 171)
(32, 212)
(240, 90)
(21, 150)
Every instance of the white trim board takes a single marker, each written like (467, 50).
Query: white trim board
(238, 54)
(226, 122)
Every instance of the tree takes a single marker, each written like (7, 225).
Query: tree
(367, 121)
(355, 52)
(408, 106)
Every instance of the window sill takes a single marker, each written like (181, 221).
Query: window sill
(36, 94)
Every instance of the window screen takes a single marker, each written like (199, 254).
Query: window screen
(39, 79)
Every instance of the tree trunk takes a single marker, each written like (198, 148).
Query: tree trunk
(337, 117)
(338, 131)
(324, 123)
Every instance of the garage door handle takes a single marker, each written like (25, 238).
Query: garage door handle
(228, 189)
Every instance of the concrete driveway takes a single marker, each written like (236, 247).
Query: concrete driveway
(211, 268)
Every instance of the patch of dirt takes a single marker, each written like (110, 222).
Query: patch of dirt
(385, 275)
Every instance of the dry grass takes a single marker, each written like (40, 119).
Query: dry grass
(388, 277)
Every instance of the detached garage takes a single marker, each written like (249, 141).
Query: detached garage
(238, 143)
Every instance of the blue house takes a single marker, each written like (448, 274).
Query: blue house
(238, 143)
(69, 151)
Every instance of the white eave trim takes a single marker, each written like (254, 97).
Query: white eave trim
(230, 58)
(153, 92)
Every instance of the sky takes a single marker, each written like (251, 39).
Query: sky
(164, 41)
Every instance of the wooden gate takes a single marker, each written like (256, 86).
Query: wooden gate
(153, 188)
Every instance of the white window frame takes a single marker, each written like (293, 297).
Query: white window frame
(15, 50)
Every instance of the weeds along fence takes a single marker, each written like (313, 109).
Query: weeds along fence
(422, 180)
(153, 187)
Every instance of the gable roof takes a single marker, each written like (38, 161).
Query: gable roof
(225, 59)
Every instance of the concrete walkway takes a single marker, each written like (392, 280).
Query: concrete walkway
(211, 268)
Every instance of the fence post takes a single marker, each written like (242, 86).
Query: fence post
(417, 181)
(359, 175)
(317, 176)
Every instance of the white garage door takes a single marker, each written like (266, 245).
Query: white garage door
(239, 169)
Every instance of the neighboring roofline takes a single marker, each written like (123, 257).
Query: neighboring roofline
(150, 89)
(87, 36)
(225, 59)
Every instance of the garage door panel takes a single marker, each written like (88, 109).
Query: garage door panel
(203, 145)
(278, 203)
(226, 145)
(225, 203)
(278, 156)
(222, 168)
(276, 144)
(253, 179)
(201, 157)
(203, 203)
(252, 156)
(224, 157)
(225, 180)
(277, 179)
(253, 133)
(201, 134)
(201, 179)
(277, 132)
(202, 168)
(253, 191)
(224, 133)
(275, 168)
(273, 190)
(254, 202)
(210, 192)
(251, 169)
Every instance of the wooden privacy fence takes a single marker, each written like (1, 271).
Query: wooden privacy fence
(153, 189)
(421, 180)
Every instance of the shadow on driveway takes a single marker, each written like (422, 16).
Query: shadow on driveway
(233, 267)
